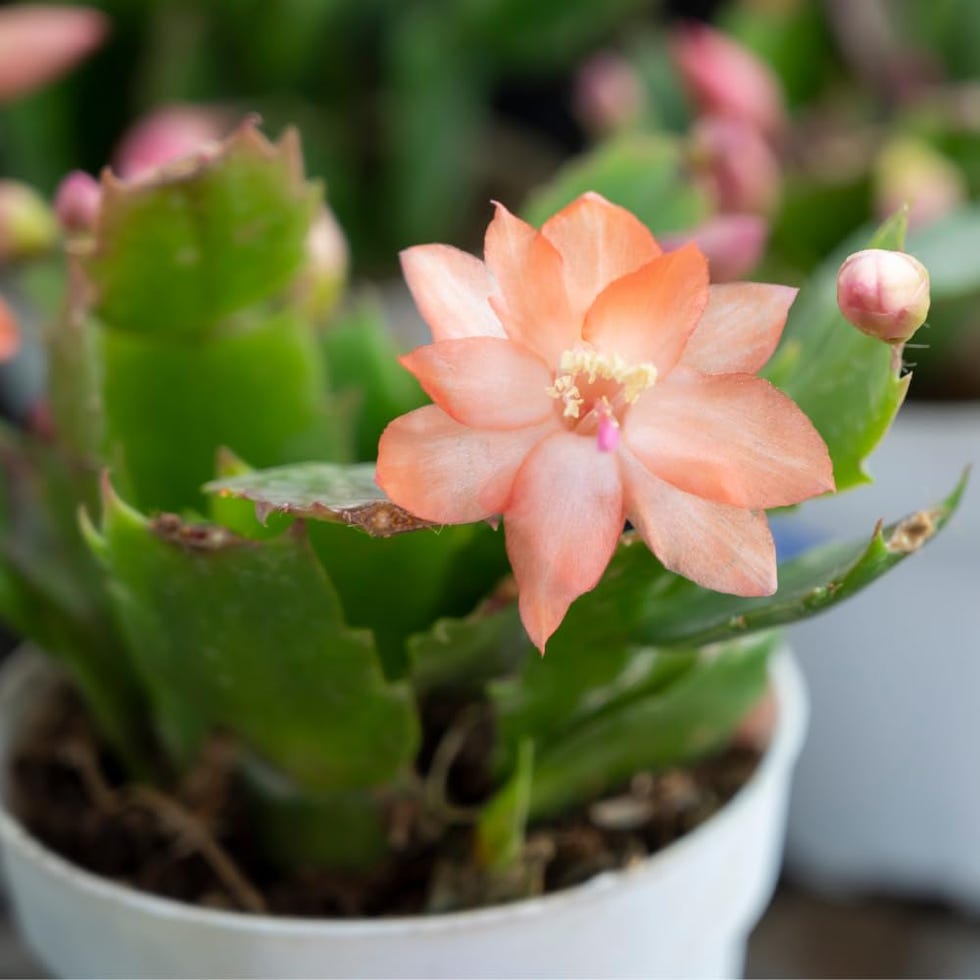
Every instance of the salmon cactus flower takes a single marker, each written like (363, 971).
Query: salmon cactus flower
(582, 378)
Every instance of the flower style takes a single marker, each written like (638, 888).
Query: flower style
(582, 378)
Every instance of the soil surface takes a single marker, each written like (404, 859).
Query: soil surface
(194, 845)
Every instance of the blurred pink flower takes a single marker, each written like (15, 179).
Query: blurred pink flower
(168, 134)
(77, 202)
(582, 377)
(741, 170)
(39, 42)
(725, 79)
(732, 243)
(608, 94)
(883, 293)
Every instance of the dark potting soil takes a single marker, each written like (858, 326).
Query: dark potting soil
(194, 845)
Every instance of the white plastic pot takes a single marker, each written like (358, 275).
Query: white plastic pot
(887, 794)
(685, 912)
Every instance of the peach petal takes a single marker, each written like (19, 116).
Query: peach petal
(485, 382)
(451, 290)
(732, 438)
(721, 547)
(649, 314)
(445, 472)
(532, 303)
(739, 329)
(39, 42)
(562, 524)
(599, 242)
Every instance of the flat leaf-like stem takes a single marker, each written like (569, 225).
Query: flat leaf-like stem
(322, 492)
(815, 581)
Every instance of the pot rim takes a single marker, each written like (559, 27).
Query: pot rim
(784, 747)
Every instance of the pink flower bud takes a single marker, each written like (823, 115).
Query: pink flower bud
(77, 202)
(725, 79)
(884, 294)
(322, 280)
(909, 171)
(39, 42)
(732, 243)
(27, 225)
(737, 164)
(608, 95)
(166, 135)
(9, 333)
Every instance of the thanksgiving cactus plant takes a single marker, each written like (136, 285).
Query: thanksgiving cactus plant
(201, 539)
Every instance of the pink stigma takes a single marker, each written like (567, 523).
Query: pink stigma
(608, 434)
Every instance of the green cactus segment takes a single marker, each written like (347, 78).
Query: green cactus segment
(365, 374)
(174, 257)
(848, 383)
(815, 581)
(296, 830)
(323, 492)
(574, 684)
(422, 576)
(248, 637)
(466, 654)
(51, 590)
(644, 174)
(671, 726)
(261, 392)
(502, 824)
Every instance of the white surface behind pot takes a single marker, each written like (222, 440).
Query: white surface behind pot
(887, 791)
(685, 912)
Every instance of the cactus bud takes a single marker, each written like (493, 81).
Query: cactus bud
(884, 294)
(732, 243)
(725, 79)
(77, 202)
(38, 42)
(740, 169)
(9, 333)
(910, 171)
(166, 135)
(27, 225)
(608, 94)
(322, 280)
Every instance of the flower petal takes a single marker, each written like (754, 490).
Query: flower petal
(649, 314)
(562, 524)
(599, 242)
(452, 292)
(739, 329)
(532, 303)
(732, 438)
(721, 547)
(447, 473)
(485, 382)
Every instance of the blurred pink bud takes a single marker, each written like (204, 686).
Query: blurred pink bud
(167, 135)
(39, 42)
(77, 202)
(884, 294)
(725, 79)
(732, 243)
(909, 171)
(27, 226)
(740, 168)
(9, 333)
(609, 94)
